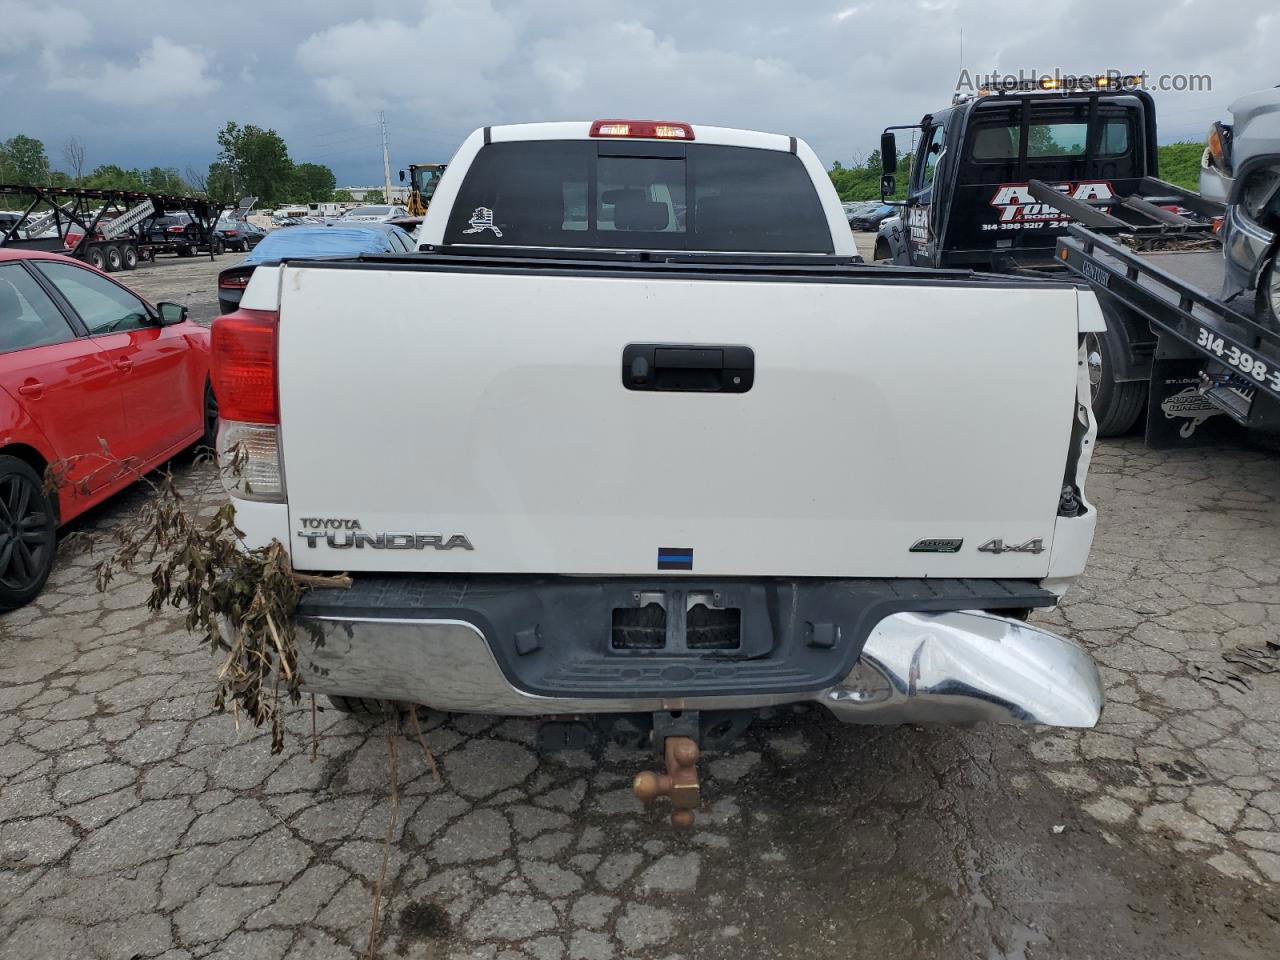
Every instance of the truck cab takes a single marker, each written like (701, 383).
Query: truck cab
(967, 199)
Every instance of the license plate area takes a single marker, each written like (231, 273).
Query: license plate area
(676, 623)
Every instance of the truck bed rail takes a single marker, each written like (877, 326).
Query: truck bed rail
(1244, 353)
(816, 268)
(1145, 212)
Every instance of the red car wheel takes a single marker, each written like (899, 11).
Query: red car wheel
(28, 537)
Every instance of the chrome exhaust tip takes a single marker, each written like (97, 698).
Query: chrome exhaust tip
(964, 668)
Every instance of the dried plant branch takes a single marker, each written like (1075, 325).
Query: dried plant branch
(390, 714)
(426, 751)
(241, 600)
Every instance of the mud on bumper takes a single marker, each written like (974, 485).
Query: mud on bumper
(871, 651)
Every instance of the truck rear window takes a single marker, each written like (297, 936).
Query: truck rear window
(583, 193)
(1001, 143)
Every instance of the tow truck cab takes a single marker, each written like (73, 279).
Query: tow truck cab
(967, 200)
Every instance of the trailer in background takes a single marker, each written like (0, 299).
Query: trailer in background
(109, 229)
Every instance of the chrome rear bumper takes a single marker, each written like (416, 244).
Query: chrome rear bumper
(952, 668)
(961, 668)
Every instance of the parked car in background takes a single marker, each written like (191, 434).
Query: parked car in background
(410, 225)
(378, 213)
(871, 219)
(96, 258)
(1242, 165)
(310, 242)
(858, 208)
(179, 228)
(889, 237)
(9, 219)
(1216, 179)
(239, 235)
(84, 362)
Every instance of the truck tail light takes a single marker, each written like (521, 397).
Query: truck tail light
(249, 461)
(1218, 144)
(243, 373)
(642, 129)
(243, 365)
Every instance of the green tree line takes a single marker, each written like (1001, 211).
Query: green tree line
(23, 160)
(255, 162)
(1180, 163)
(251, 161)
(862, 180)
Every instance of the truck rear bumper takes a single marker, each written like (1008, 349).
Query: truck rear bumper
(955, 668)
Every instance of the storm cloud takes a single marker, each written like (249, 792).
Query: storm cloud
(148, 83)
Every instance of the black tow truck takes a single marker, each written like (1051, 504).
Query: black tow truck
(110, 229)
(1064, 180)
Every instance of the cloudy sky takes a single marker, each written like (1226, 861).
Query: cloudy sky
(149, 83)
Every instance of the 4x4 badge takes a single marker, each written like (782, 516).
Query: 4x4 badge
(999, 546)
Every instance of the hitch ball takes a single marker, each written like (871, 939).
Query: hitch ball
(680, 782)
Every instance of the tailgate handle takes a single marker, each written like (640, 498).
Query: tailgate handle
(688, 368)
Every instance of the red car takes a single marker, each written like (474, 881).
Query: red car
(85, 362)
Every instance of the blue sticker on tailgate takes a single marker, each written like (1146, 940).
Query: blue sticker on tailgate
(675, 558)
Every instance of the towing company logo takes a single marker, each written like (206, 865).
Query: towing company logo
(1192, 405)
(1016, 205)
(918, 225)
(341, 534)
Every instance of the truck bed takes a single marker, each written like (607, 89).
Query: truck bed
(1199, 269)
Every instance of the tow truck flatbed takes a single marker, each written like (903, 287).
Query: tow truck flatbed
(1176, 291)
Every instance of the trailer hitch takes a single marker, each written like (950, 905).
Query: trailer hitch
(677, 733)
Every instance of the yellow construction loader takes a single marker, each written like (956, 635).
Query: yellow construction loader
(423, 179)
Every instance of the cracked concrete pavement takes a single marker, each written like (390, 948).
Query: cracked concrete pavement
(137, 823)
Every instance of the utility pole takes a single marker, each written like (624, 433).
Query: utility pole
(386, 158)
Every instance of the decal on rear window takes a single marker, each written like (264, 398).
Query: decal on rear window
(481, 220)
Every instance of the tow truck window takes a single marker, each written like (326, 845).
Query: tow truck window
(931, 151)
(561, 193)
(1000, 143)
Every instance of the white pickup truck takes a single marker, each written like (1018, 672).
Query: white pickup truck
(636, 432)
